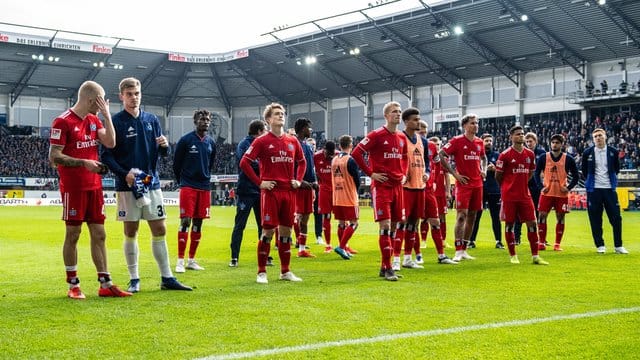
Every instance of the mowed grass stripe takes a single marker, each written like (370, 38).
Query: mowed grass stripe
(415, 334)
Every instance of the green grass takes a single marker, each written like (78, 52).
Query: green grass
(338, 300)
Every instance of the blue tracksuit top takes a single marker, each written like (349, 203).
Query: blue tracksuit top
(135, 148)
(310, 172)
(193, 160)
(491, 186)
(246, 186)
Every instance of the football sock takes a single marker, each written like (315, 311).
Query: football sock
(105, 280)
(436, 235)
(72, 276)
(559, 232)
(510, 238)
(161, 254)
(542, 232)
(284, 251)
(384, 242)
(532, 236)
(131, 252)
(264, 247)
(182, 243)
(326, 227)
(193, 246)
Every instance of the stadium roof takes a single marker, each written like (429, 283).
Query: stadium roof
(413, 48)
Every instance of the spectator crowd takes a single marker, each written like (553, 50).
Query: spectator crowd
(26, 155)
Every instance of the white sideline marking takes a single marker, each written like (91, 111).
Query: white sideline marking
(424, 333)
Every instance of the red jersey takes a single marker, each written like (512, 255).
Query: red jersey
(515, 167)
(467, 155)
(276, 156)
(434, 165)
(323, 171)
(387, 154)
(80, 140)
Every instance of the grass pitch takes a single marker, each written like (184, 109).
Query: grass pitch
(583, 305)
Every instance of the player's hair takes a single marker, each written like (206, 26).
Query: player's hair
(256, 126)
(486, 135)
(434, 139)
(301, 123)
(515, 128)
(409, 112)
(268, 110)
(89, 90)
(423, 124)
(465, 119)
(345, 141)
(598, 130)
(531, 135)
(200, 113)
(387, 106)
(558, 137)
(330, 147)
(128, 83)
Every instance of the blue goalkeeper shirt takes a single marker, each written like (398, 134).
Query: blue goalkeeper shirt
(193, 160)
(136, 147)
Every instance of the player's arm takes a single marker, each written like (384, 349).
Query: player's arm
(571, 168)
(358, 156)
(616, 162)
(212, 157)
(447, 185)
(540, 165)
(301, 163)
(499, 169)
(178, 159)
(107, 134)
(427, 158)
(352, 168)
(161, 140)
(444, 160)
(247, 169)
(58, 158)
(483, 166)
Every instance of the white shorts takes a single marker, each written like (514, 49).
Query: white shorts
(129, 211)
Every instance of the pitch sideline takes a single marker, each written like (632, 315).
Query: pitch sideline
(424, 333)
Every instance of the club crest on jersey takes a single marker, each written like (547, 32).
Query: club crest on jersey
(290, 147)
(148, 127)
(56, 133)
(93, 127)
(478, 148)
(401, 143)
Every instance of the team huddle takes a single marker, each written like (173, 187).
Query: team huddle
(280, 176)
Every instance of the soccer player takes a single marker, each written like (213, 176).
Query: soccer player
(490, 196)
(139, 143)
(431, 214)
(322, 160)
(531, 141)
(442, 191)
(305, 194)
(345, 181)
(413, 190)
(277, 153)
(555, 166)
(600, 167)
(193, 160)
(248, 193)
(75, 136)
(514, 169)
(467, 150)
(387, 166)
